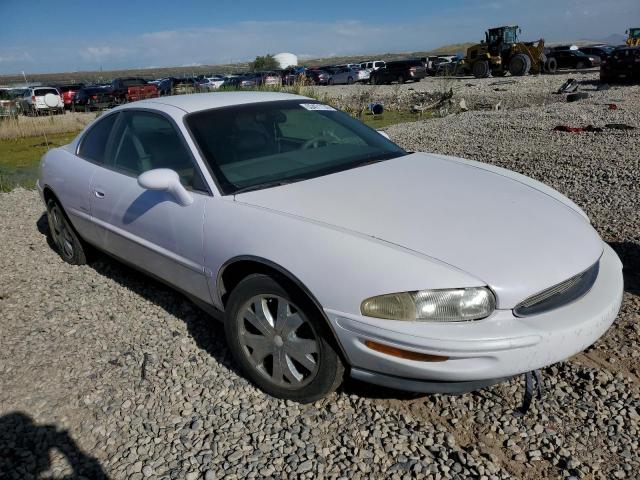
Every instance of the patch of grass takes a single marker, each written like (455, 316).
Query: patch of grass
(389, 118)
(19, 158)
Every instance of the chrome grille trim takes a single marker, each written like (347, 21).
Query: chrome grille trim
(559, 295)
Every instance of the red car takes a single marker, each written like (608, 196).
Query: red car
(67, 92)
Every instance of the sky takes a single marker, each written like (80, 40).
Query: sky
(44, 36)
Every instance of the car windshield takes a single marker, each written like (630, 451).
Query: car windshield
(259, 145)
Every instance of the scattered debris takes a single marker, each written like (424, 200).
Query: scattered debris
(570, 86)
(574, 97)
(619, 126)
(613, 106)
(503, 82)
(498, 106)
(376, 108)
(463, 105)
(588, 128)
(591, 128)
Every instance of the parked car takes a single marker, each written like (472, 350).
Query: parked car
(372, 65)
(67, 92)
(602, 51)
(273, 212)
(213, 83)
(348, 75)
(445, 65)
(623, 65)
(8, 104)
(399, 71)
(92, 98)
(271, 78)
(317, 77)
(249, 80)
(132, 89)
(574, 59)
(36, 100)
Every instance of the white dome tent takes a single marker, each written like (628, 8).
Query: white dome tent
(286, 60)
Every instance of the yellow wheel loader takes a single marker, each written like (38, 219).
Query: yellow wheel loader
(502, 52)
(633, 39)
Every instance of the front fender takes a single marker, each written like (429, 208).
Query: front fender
(339, 267)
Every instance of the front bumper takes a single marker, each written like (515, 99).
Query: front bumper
(483, 351)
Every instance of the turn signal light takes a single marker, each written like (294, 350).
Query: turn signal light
(406, 354)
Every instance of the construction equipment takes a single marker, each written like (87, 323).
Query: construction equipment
(502, 52)
(633, 39)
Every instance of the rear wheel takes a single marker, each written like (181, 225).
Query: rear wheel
(349, 81)
(519, 65)
(580, 65)
(64, 237)
(481, 69)
(400, 80)
(280, 340)
(551, 65)
(330, 82)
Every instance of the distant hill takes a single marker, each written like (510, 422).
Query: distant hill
(614, 39)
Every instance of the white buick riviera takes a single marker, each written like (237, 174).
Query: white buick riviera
(326, 247)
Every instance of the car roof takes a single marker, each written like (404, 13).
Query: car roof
(196, 102)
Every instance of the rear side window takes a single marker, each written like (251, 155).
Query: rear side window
(94, 143)
(41, 92)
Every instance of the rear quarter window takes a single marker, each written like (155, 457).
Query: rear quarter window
(94, 142)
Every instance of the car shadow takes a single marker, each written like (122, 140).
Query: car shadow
(207, 332)
(25, 450)
(629, 254)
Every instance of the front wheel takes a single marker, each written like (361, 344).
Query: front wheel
(280, 340)
(63, 235)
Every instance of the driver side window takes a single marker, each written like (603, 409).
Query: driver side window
(145, 141)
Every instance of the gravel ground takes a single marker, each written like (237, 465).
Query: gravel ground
(107, 374)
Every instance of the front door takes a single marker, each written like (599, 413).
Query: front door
(150, 229)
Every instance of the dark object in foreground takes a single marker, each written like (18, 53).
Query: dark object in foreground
(532, 383)
(570, 86)
(574, 97)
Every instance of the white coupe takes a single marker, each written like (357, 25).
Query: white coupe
(326, 247)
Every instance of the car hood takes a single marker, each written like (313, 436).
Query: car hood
(516, 238)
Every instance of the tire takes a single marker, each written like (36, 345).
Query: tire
(400, 80)
(330, 82)
(481, 69)
(314, 371)
(580, 66)
(574, 97)
(551, 65)
(349, 81)
(64, 236)
(519, 65)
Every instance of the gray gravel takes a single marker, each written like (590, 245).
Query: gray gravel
(75, 342)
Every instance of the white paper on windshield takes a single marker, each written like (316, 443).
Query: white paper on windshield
(317, 106)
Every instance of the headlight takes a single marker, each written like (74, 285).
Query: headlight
(450, 305)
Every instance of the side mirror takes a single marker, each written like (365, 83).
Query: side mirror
(384, 134)
(165, 180)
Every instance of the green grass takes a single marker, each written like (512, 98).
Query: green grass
(19, 158)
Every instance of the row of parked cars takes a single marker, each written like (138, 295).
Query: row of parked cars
(615, 62)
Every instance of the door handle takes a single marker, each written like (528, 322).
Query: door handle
(99, 193)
